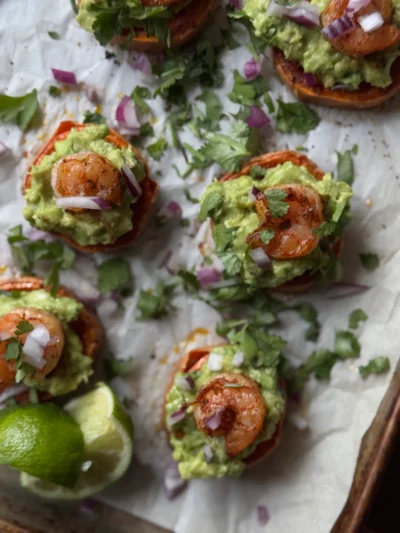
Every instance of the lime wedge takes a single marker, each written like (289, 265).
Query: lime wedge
(108, 434)
(42, 440)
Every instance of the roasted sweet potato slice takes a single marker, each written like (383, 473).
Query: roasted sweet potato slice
(141, 209)
(367, 96)
(87, 326)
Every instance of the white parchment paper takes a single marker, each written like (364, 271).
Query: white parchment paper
(305, 483)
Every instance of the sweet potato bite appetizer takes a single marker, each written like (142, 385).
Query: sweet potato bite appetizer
(341, 53)
(147, 25)
(46, 342)
(276, 223)
(90, 188)
(223, 412)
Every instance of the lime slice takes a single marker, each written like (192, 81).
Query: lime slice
(42, 440)
(108, 434)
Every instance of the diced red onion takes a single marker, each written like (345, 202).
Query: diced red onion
(214, 361)
(342, 290)
(91, 94)
(178, 416)
(238, 359)
(184, 382)
(303, 13)
(237, 4)
(12, 392)
(298, 421)
(126, 115)
(214, 421)
(207, 275)
(83, 202)
(64, 76)
(171, 210)
(3, 148)
(131, 182)
(355, 5)
(258, 118)
(310, 79)
(89, 505)
(35, 235)
(224, 283)
(35, 345)
(4, 335)
(371, 22)
(296, 397)
(260, 257)
(253, 194)
(173, 482)
(262, 515)
(208, 453)
(252, 68)
(338, 27)
(142, 64)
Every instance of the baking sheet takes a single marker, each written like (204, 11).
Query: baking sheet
(305, 483)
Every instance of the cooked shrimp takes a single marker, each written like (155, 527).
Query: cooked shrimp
(87, 174)
(53, 351)
(357, 42)
(235, 400)
(293, 232)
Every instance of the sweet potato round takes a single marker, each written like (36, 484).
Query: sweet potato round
(142, 208)
(367, 96)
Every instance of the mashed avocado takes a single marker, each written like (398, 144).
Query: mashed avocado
(74, 367)
(88, 228)
(187, 449)
(308, 47)
(236, 218)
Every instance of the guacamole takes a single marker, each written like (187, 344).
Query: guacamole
(87, 228)
(188, 449)
(74, 367)
(308, 47)
(235, 218)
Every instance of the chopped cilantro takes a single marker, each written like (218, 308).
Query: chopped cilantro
(13, 349)
(295, 117)
(109, 55)
(247, 92)
(115, 274)
(54, 35)
(369, 261)
(378, 365)
(139, 95)
(184, 222)
(23, 327)
(190, 281)
(54, 91)
(269, 102)
(346, 345)
(257, 172)
(117, 367)
(345, 170)
(310, 315)
(20, 110)
(276, 204)
(231, 262)
(355, 149)
(190, 197)
(266, 235)
(222, 236)
(157, 149)
(156, 303)
(356, 317)
(213, 110)
(93, 117)
(212, 202)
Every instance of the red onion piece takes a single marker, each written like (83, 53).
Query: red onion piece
(355, 5)
(237, 4)
(310, 79)
(142, 64)
(184, 382)
(303, 13)
(258, 118)
(214, 421)
(224, 283)
(262, 515)
(3, 148)
(83, 202)
(238, 359)
(171, 210)
(207, 275)
(178, 416)
(371, 22)
(126, 115)
(89, 505)
(214, 361)
(64, 76)
(91, 94)
(338, 27)
(173, 483)
(342, 290)
(208, 453)
(131, 182)
(260, 257)
(252, 69)
(12, 392)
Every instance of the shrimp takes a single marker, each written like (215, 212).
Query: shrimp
(53, 351)
(235, 400)
(357, 42)
(293, 232)
(87, 174)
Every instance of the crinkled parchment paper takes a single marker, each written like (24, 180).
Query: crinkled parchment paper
(304, 484)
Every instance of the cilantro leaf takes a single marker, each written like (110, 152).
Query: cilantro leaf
(54, 35)
(139, 95)
(190, 197)
(13, 349)
(190, 281)
(114, 274)
(346, 345)
(210, 204)
(276, 205)
(266, 235)
(157, 149)
(93, 118)
(156, 303)
(378, 365)
(310, 315)
(228, 150)
(320, 363)
(369, 261)
(247, 92)
(257, 172)
(222, 236)
(231, 262)
(23, 327)
(16, 234)
(20, 109)
(325, 229)
(117, 367)
(295, 117)
(356, 317)
(213, 110)
(345, 169)
(54, 91)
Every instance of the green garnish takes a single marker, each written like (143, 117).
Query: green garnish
(157, 149)
(54, 35)
(345, 169)
(369, 261)
(93, 117)
(276, 204)
(20, 110)
(115, 275)
(156, 303)
(378, 365)
(54, 91)
(356, 317)
(295, 117)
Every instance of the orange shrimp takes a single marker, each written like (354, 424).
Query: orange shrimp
(357, 42)
(87, 174)
(293, 232)
(237, 400)
(53, 351)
